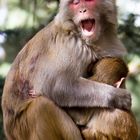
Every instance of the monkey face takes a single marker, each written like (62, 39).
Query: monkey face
(90, 16)
(84, 18)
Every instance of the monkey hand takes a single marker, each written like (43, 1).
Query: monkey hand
(120, 83)
(121, 100)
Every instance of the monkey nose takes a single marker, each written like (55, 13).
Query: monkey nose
(83, 10)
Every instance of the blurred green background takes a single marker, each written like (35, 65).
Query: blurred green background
(20, 20)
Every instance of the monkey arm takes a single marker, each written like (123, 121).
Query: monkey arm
(86, 93)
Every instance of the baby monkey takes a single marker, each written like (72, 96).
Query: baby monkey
(103, 123)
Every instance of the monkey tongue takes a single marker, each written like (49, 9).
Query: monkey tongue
(87, 25)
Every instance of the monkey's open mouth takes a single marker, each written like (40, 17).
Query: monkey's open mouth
(88, 27)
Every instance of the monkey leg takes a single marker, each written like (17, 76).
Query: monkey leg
(97, 136)
(40, 119)
(52, 123)
(113, 124)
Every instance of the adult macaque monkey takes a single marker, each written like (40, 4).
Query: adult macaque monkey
(53, 64)
(106, 124)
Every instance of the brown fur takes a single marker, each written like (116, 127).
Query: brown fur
(113, 124)
(41, 119)
(54, 64)
(106, 124)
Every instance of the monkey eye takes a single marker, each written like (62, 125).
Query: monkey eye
(89, 0)
(76, 1)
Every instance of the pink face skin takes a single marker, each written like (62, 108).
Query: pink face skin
(76, 5)
(83, 16)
